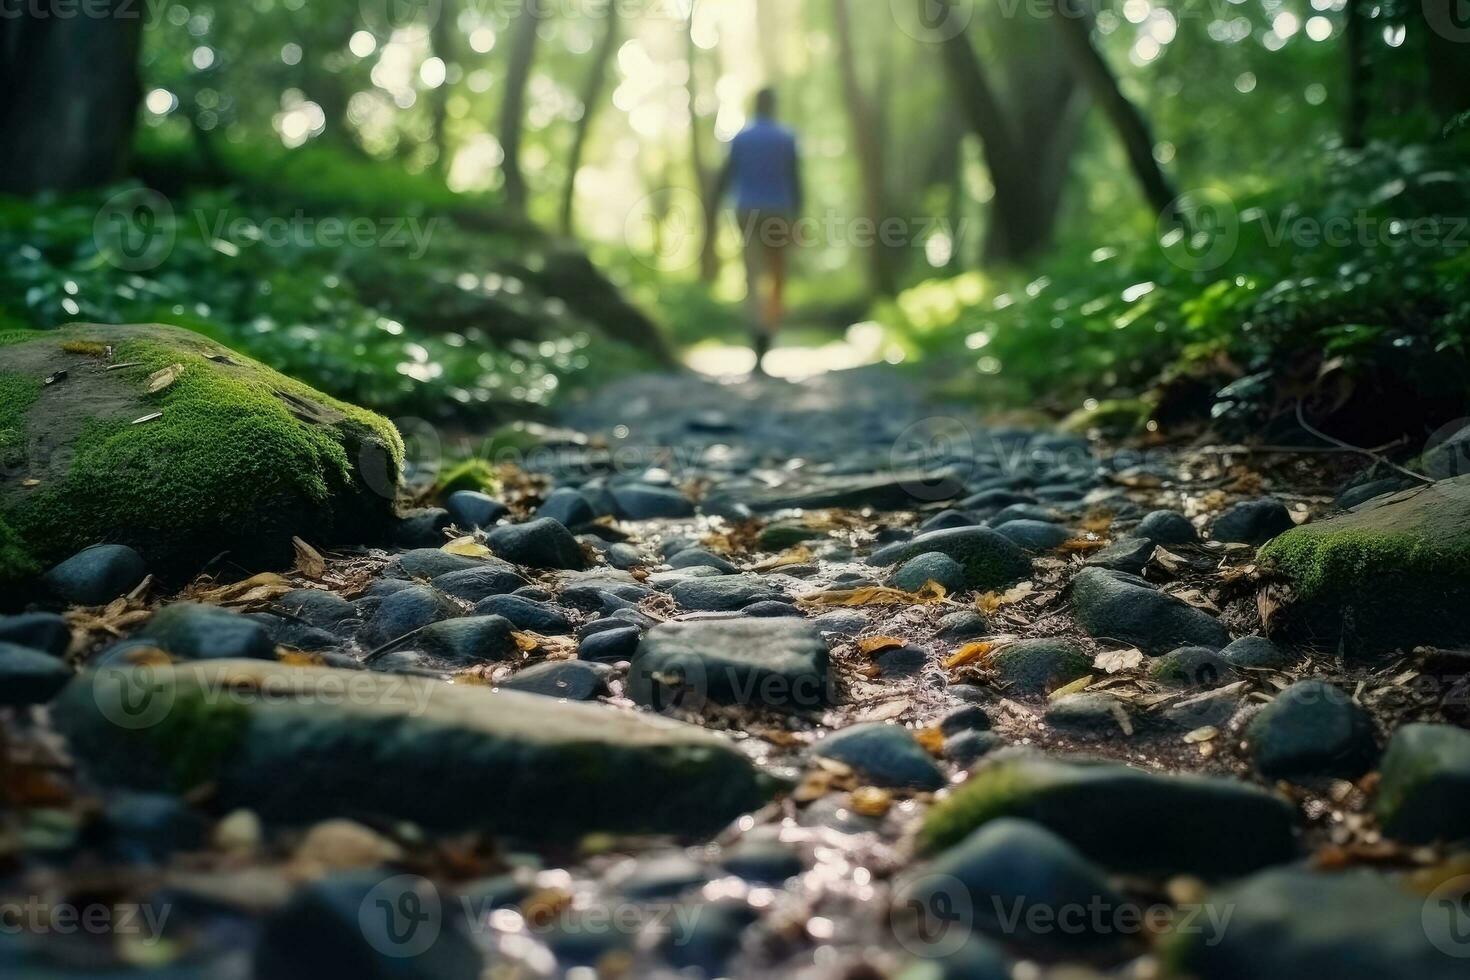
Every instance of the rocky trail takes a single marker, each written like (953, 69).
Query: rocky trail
(750, 678)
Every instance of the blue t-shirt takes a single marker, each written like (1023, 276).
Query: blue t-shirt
(763, 167)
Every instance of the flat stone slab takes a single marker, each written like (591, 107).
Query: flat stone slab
(770, 663)
(301, 744)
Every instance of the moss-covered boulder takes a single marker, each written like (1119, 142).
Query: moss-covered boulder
(159, 438)
(1391, 574)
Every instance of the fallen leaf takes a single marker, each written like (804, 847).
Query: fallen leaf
(148, 418)
(1114, 661)
(885, 712)
(877, 644)
(466, 547)
(159, 380)
(309, 561)
(257, 588)
(1204, 734)
(1081, 546)
(871, 801)
(1076, 687)
(800, 555)
(876, 595)
(967, 653)
(526, 642)
(932, 739)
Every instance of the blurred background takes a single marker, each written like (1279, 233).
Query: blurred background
(1148, 215)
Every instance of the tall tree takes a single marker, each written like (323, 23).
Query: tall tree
(1021, 225)
(1447, 53)
(705, 179)
(868, 141)
(71, 94)
(442, 33)
(526, 30)
(1354, 43)
(591, 101)
(1074, 21)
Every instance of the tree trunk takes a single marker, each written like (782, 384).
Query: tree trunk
(441, 43)
(591, 102)
(704, 179)
(869, 146)
(1447, 52)
(1132, 128)
(70, 98)
(513, 109)
(1354, 38)
(1016, 231)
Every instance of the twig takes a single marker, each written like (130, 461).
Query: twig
(388, 647)
(1301, 420)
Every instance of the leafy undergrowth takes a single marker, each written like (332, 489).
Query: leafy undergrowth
(1356, 274)
(408, 307)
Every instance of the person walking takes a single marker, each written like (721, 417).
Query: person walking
(764, 172)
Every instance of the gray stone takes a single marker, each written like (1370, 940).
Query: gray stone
(576, 680)
(962, 626)
(1035, 535)
(611, 646)
(695, 557)
(886, 755)
(429, 563)
(542, 543)
(317, 607)
(1191, 667)
(965, 718)
(525, 614)
(324, 743)
(29, 676)
(1009, 874)
(488, 578)
(640, 502)
(195, 632)
(723, 594)
(47, 632)
(568, 508)
(471, 509)
(1356, 924)
(1129, 555)
(843, 622)
(95, 576)
(990, 560)
(1087, 716)
(913, 574)
(966, 747)
(775, 663)
(1424, 795)
(1312, 729)
(472, 640)
(1109, 606)
(1124, 818)
(1040, 666)
(1255, 652)
(1253, 522)
(405, 611)
(1167, 527)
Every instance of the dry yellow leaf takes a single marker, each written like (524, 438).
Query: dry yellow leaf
(968, 653)
(1076, 687)
(932, 739)
(257, 588)
(466, 547)
(871, 801)
(1081, 546)
(298, 658)
(877, 644)
(800, 555)
(526, 642)
(877, 595)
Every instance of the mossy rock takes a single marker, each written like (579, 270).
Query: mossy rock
(1391, 574)
(228, 455)
(1124, 818)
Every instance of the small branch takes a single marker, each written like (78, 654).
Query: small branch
(1301, 419)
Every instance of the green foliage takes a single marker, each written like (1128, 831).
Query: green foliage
(472, 474)
(197, 735)
(17, 392)
(408, 314)
(1363, 261)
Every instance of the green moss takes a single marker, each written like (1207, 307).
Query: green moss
(991, 793)
(196, 735)
(472, 474)
(1323, 563)
(228, 465)
(17, 394)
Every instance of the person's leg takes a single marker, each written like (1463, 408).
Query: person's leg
(755, 305)
(779, 249)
